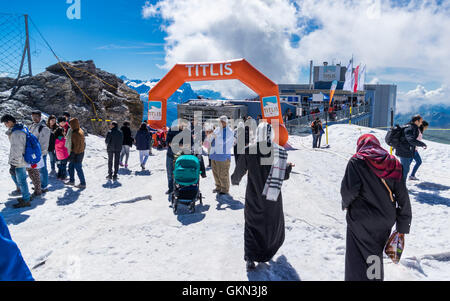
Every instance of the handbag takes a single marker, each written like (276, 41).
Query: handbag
(396, 242)
(395, 245)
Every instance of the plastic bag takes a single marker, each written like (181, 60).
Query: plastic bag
(395, 245)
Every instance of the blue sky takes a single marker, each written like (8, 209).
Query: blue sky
(402, 42)
(112, 33)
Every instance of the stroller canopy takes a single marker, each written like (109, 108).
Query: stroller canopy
(187, 170)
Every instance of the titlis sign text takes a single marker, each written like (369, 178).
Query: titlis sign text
(209, 70)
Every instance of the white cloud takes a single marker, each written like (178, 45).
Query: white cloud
(259, 31)
(229, 89)
(409, 102)
(374, 81)
(380, 34)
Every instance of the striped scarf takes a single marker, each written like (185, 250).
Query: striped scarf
(275, 179)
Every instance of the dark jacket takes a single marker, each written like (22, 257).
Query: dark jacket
(51, 143)
(114, 140)
(143, 139)
(368, 200)
(370, 216)
(316, 127)
(127, 138)
(409, 142)
(170, 135)
(264, 220)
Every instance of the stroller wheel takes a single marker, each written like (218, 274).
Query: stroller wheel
(200, 197)
(192, 207)
(174, 206)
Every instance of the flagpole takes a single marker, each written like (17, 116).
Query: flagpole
(351, 99)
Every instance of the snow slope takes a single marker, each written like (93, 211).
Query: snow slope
(114, 231)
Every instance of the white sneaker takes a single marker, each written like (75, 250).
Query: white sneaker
(412, 178)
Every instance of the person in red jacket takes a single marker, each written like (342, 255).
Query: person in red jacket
(62, 154)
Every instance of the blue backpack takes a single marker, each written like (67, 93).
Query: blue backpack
(32, 147)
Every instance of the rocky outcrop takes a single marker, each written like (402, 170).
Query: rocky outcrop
(53, 92)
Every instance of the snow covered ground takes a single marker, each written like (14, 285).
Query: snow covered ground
(114, 231)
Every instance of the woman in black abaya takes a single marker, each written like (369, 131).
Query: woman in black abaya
(372, 175)
(265, 163)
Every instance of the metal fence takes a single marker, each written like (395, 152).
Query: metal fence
(302, 124)
(14, 46)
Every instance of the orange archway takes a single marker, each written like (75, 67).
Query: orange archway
(235, 69)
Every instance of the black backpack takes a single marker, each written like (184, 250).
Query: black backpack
(394, 135)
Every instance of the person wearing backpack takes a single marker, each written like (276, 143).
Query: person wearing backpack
(417, 157)
(76, 153)
(114, 142)
(375, 198)
(18, 140)
(408, 143)
(42, 132)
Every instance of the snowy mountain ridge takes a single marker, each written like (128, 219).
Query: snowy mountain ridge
(181, 95)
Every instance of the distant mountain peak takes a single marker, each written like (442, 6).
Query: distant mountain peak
(181, 95)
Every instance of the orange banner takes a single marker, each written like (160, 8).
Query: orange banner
(235, 69)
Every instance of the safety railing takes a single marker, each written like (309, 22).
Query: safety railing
(302, 124)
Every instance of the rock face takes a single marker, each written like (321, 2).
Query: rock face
(53, 92)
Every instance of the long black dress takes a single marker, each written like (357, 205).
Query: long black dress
(264, 220)
(370, 216)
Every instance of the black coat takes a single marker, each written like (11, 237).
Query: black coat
(238, 149)
(143, 138)
(127, 138)
(170, 135)
(409, 142)
(264, 220)
(51, 143)
(114, 140)
(316, 127)
(370, 215)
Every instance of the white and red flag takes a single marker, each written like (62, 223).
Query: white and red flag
(348, 85)
(355, 79)
(362, 78)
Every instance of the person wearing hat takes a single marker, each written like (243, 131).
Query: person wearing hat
(220, 155)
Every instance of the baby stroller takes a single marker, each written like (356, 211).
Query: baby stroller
(186, 178)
